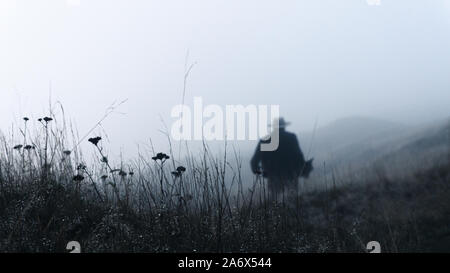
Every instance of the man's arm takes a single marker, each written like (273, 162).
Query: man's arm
(299, 157)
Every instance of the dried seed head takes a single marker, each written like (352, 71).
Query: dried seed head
(29, 147)
(78, 178)
(95, 140)
(18, 147)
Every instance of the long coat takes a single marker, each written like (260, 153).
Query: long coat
(286, 162)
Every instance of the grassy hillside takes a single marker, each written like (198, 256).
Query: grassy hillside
(50, 196)
(358, 142)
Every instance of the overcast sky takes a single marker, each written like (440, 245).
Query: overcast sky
(315, 58)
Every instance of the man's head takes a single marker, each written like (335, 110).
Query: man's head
(279, 124)
(307, 168)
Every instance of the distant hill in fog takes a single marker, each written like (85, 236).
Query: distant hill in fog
(359, 140)
(349, 136)
(351, 130)
(425, 143)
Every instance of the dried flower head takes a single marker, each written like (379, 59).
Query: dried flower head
(78, 178)
(81, 167)
(29, 147)
(95, 140)
(161, 156)
(179, 171)
(18, 147)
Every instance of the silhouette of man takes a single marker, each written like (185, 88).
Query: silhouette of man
(283, 166)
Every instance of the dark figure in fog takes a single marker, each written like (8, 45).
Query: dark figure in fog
(283, 166)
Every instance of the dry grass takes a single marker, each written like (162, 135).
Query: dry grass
(49, 197)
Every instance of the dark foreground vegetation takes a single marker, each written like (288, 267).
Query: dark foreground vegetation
(50, 196)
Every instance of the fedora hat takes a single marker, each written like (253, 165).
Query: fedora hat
(279, 123)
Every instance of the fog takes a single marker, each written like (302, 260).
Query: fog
(318, 60)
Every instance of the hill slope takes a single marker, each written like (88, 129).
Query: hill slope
(363, 141)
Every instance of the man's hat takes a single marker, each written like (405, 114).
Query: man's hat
(279, 123)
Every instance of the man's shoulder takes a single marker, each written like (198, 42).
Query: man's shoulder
(284, 134)
(289, 134)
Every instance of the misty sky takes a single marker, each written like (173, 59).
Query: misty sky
(324, 59)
